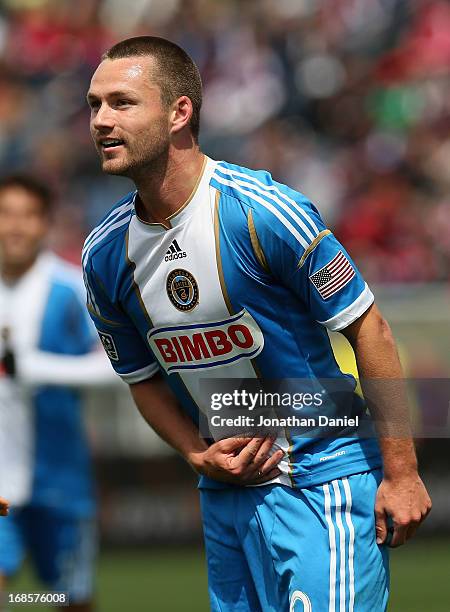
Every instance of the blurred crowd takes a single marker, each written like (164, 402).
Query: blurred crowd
(346, 100)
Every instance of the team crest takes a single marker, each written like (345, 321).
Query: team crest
(182, 290)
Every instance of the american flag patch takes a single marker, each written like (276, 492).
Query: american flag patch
(333, 276)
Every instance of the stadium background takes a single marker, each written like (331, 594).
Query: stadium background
(346, 100)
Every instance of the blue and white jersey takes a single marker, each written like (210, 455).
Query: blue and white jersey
(44, 457)
(244, 284)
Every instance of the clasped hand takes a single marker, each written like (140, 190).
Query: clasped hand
(240, 461)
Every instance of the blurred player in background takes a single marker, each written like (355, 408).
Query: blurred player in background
(4, 506)
(49, 349)
(221, 271)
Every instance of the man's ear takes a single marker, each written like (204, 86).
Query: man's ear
(180, 114)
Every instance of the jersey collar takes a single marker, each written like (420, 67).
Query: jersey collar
(185, 211)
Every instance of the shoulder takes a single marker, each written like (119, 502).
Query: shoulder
(241, 183)
(274, 207)
(108, 235)
(66, 280)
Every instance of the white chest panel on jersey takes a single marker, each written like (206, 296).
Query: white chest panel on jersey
(22, 306)
(194, 235)
(178, 275)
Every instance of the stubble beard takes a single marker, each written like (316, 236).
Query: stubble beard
(148, 157)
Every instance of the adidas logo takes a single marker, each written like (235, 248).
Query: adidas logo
(174, 252)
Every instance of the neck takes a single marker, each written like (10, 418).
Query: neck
(11, 272)
(164, 188)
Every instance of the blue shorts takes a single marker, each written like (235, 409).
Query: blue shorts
(63, 549)
(277, 549)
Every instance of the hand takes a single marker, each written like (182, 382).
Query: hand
(406, 502)
(4, 506)
(239, 461)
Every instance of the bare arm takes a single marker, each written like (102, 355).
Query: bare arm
(401, 495)
(234, 460)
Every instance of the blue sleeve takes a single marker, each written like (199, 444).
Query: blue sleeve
(304, 255)
(81, 326)
(130, 357)
(66, 327)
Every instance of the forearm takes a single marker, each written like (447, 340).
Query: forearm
(401, 495)
(237, 460)
(383, 384)
(161, 410)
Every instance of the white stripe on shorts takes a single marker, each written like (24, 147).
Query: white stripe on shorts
(345, 560)
(351, 544)
(332, 539)
(340, 525)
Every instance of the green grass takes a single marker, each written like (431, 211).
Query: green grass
(420, 577)
(175, 579)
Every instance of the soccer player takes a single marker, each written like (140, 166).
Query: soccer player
(210, 270)
(48, 346)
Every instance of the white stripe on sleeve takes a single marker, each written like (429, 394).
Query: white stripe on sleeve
(268, 206)
(103, 235)
(266, 192)
(113, 215)
(274, 189)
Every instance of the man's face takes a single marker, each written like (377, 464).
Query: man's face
(129, 124)
(23, 226)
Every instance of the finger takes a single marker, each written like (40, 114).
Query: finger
(268, 466)
(412, 530)
(399, 535)
(263, 453)
(249, 452)
(265, 477)
(381, 528)
(415, 524)
(228, 445)
(272, 461)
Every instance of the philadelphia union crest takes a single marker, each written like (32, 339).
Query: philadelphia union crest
(182, 290)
